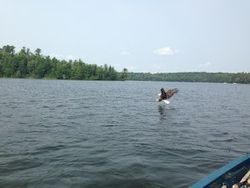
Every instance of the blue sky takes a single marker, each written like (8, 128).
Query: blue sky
(141, 35)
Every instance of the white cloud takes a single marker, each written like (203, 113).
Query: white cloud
(63, 57)
(71, 57)
(206, 64)
(131, 68)
(166, 51)
(125, 53)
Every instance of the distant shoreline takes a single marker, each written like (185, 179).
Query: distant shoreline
(216, 77)
(199, 77)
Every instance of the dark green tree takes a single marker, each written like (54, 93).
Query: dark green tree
(124, 74)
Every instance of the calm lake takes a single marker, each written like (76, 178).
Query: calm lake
(111, 134)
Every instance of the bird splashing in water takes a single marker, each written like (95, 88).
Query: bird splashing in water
(165, 95)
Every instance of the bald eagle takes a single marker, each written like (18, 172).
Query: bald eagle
(164, 95)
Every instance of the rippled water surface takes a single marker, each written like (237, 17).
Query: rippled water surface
(114, 134)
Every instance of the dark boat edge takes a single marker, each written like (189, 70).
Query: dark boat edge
(220, 172)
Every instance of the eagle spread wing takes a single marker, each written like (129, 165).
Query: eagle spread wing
(171, 92)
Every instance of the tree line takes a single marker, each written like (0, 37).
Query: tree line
(193, 77)
(27, 64)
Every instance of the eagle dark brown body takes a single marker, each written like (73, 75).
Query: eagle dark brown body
(167, 94)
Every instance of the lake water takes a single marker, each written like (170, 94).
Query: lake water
(104, 134)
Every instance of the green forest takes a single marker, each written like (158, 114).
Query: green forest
(243, 78)
(27, 64)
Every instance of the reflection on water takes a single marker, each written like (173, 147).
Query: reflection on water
(162, 109)
(165, 111)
